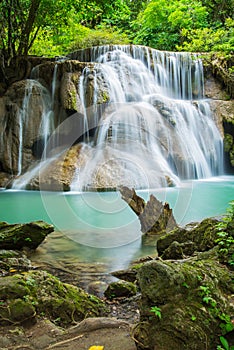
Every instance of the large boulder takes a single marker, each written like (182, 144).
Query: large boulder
(18, 236)
(31, 109)
(24, 109)
(183, 304)
(219, 88)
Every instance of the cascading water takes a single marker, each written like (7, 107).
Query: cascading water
(43, 127)
(144, 121)
(157, 127)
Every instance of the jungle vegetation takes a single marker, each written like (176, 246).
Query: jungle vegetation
(56, 27)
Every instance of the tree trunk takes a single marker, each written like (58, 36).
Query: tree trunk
(155, 217)
(25, 35)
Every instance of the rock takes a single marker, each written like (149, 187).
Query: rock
(201, 237)
(18, 236)
(36, 292)
(191, 298)
(27, 105)
(120, 289)
(5, 180)
(23, 108)
(110, 333)
(229, 147)
(59, 173)
(155, 218)
(12, 261)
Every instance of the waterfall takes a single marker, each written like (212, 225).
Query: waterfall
(157, 128)
(144, 119)
(29, 127)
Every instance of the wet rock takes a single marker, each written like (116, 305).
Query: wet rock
(155, 217)
(200, 237)
(229, 147)
(97, 288)
(12, 261)
(120, 289)
(18, 236)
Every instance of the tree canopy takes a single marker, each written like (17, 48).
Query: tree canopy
(55, 27)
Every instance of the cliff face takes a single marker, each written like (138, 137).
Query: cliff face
(32, 108)
(43, 94)
(219, 87)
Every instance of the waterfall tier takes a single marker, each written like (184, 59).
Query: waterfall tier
(157, 127)
(140, 115)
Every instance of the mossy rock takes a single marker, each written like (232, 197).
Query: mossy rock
(44, 294)
(18, 236)
(12, 261)
(120, 289)
(191, 295)
(229, 147)
(200, 237)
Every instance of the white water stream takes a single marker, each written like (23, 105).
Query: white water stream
(157, 129)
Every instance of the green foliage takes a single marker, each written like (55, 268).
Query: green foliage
(52, 43)
(157, 311)
(161, 22)
(103, 36)
(219, 10)
(95, 12)
(226, 325)
(23, 19)
(225, 344)
(209, 39)
(225, 237)
(55, 27)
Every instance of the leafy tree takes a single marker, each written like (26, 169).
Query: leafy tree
(161, 22)
(219, 11)
(23, 19)
(94, 13)
(209, 39)
(51, 26)
(103, 36)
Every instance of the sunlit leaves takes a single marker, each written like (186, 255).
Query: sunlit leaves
(161, 22)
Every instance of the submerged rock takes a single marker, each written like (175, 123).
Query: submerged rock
(12, 261)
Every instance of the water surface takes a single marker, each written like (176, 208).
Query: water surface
(96, 227)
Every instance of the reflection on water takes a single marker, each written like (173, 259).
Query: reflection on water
(99, 227)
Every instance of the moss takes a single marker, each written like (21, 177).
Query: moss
(189, 313)
(17, 236)
(21, 310)
(11, 287)
(228, 142)
(120, 289)
(41, 292)
(72, 99)
(202, 237)
(104, 97)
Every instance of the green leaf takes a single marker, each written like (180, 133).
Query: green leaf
(224, 342)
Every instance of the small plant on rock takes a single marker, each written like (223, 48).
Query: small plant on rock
(225, 238)
(157, 311)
